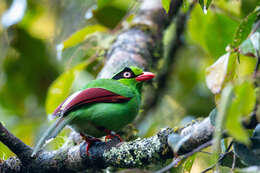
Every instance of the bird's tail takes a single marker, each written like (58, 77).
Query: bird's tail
(52, 132)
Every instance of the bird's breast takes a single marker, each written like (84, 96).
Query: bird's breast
(93, 119)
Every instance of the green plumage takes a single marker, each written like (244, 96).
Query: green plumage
(108, 115)
(95, 118)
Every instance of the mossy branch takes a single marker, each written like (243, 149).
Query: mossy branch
(133, 154)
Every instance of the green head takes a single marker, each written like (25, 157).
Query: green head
(133, 76)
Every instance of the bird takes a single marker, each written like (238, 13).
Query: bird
(101, 108)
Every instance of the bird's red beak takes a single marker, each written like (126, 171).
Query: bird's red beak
(145, 76)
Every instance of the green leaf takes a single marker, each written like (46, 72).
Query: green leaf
(251, 46)
(246, 97)
(201, 2)
(80, 35)
(225, 101)
(228, 160)
(233, 124)
(246, 67)
(166, 5)
(197, 25)
(208, 3)
(246, 154)
(102, 3)
(224, 169)
(110, 14)
(94, 45)
(187, 165)
(213, 32)
(248, 6)
(216, 37)
(61, 87)
(212, 116)
(29, 70)
(242, 105)
(244, 28)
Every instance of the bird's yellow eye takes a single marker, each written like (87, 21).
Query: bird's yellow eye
(127, 74)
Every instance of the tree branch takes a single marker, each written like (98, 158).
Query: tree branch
(22, 150)
(137, 45)
(137, 153)
(133, 154)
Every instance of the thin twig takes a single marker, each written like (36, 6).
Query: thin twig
(177, 160)
(209, 168)
(205, 152)
(174, 163)
(221, 157)
(229, 146)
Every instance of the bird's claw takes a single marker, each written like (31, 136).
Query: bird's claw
(111, 136)
(89, 141)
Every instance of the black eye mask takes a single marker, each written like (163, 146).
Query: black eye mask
(125, 73)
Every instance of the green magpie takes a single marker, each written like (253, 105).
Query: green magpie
(101, 108)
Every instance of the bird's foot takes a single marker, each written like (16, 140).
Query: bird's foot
(89, 141)
(111, 136)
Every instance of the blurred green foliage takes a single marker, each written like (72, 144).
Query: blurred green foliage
(166, 5)
(59, 45)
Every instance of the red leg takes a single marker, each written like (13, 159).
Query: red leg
(89, 141)
(112, 135)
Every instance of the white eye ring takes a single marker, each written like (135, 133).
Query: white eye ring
(127, 74)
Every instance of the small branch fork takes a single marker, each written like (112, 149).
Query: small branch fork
(221, 157)
(177, 160)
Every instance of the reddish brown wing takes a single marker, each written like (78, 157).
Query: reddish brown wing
(90, 95)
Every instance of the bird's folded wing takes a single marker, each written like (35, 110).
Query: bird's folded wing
(87, 96)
